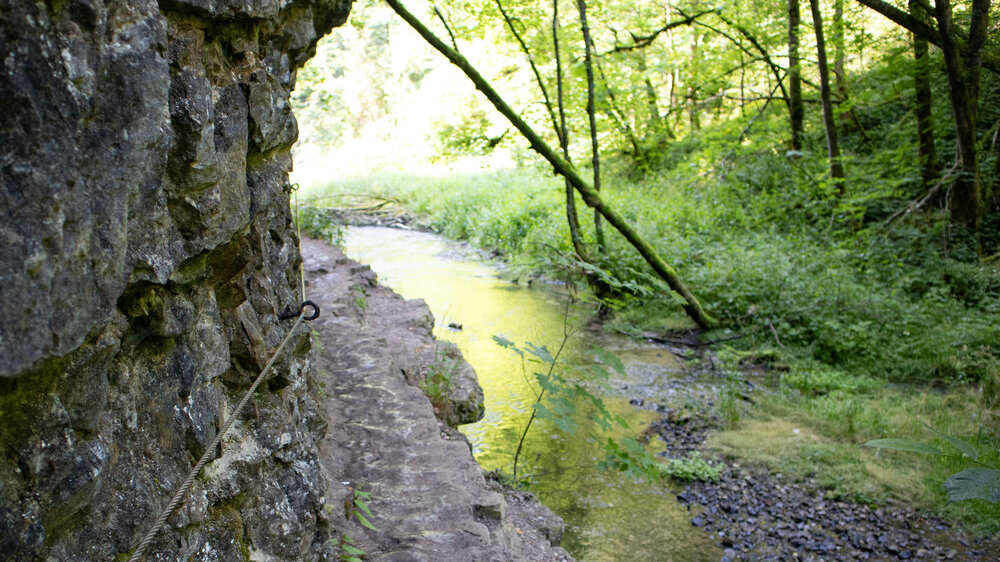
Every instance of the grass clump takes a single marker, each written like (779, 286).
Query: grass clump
(436, 385)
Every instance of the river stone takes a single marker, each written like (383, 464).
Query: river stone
(146, 246)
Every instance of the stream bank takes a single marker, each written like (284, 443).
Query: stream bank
(757, 515)
(755, 512)
(429, 499)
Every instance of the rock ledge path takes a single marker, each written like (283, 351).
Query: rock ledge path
(429, 497)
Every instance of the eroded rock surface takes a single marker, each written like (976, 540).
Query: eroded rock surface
(430, 500)
(146, 249)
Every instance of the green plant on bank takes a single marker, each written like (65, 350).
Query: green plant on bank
(692, 468)
(976, 483)
(360, 293)
(437, 383)
(557, 396)
(815, 438)
(320, 223)
(729, 402)
(632, 459)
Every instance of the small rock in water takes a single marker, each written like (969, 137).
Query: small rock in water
(454, 326)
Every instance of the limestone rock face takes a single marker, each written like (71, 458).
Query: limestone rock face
(146, 251)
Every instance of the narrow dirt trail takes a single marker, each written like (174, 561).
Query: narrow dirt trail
(430, 500)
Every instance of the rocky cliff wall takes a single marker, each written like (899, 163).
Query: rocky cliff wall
(146, 250)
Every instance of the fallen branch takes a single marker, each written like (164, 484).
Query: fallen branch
(689, 343)
(913, 206)
(590, 196)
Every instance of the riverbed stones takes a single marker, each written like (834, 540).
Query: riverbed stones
(756, 515)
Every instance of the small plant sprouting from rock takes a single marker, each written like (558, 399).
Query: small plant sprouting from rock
(357, 508)
(360, 296)
(437, 383)
(977, 483)
(348, 552)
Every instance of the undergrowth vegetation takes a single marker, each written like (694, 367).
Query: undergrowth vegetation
(865, 316)
(839, 307)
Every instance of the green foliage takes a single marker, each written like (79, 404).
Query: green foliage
(632, 459)
(348, 552)
(693, 467)
(358, 508)
(815, 379)
(360, 293)
(849, 292)
(558, 396)
(437, 383)
(729, 401)
(977, 483)
(320, 224)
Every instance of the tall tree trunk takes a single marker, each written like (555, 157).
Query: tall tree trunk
(839, 73)
(966, 198)
(692, 96)
(922, 88)
(590, 196)
(832, 147)
(978, 25)
(581, 5)
(796, 110)
(571, 215)
(655, 126)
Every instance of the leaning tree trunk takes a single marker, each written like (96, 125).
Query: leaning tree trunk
(832, 147)
(796, 110)
(590, 196)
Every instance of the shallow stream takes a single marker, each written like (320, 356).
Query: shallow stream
(607, 515)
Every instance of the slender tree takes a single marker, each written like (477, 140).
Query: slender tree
(922, 107)
(963, 85)
(581, 6)
(832, 146)
(796, 111)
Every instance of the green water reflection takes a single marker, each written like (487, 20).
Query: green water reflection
(608, 516)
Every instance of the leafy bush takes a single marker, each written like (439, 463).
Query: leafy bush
(820, 380)
(320, 223)
(693, 467)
